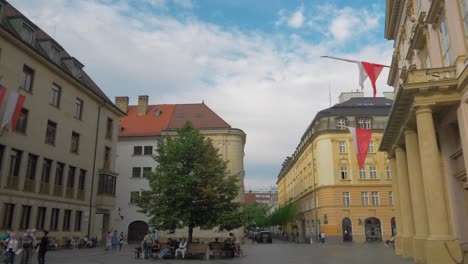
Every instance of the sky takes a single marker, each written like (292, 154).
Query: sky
(255, 63)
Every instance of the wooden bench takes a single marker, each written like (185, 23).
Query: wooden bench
(219, 250)
(196, 250)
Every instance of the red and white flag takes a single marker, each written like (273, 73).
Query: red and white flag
(13, 109)
(371, 70)
(361, 139)
(2, 93)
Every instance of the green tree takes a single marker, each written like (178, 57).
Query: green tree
(190, 187)
(284, 215)
(256, 215)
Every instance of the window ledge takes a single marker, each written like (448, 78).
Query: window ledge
(78, 118)
(54, 106)
(29, 92)
(345, 179)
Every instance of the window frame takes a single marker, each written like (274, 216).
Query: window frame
(66, 220)
(78, 218)
(40, 218)
(82, 180)
(22, 123)
(75, 142)
(464, 15)
(27, 79)
(341, 123)
(391, 198)
(54, 219)
(8, 215)
(342, 146)
(365, 198)
(31, 167)
(344, 172)
(375, 198)
(372, 172)
(51, 128)
(109, 128)
(78, 113)
(371, 148)
(388, 172)
(25, 220)
(54, 58)
(147, 153)
(134, 169)
(27, 28)
(71, 177)
(346, 198)
(46, 170)
(56, 95)
(137, 153)
(362, 173)
(445, 42)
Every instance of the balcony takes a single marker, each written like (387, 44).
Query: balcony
(437, 76)
(12, 182)
(70, 193)
(105, 201)
(44, 188)
(58, 190)
(81, 195)
(29, 185)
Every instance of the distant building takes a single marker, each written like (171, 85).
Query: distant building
(57, 165)
(323, 178)
(426, 136)
(269, 198)
(140, 130)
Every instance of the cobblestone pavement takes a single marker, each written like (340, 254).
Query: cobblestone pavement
(276, 253)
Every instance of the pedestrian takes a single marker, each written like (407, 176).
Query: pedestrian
(154, 235)
(297, 236)
(43, 245)
(115, 241)
(312, 237)
(11, 249)
(121, 241)
(182, 248)
(322, 237)
(108, 241)
(147, 245)
(27, 245)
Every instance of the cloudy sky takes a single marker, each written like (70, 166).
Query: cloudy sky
(255, 63)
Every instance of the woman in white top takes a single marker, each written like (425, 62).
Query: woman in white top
(12, 247)
(182, 248)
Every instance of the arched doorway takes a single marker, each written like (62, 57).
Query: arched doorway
(137, 231)
(347, 228)
(373, 229)
(393, 225)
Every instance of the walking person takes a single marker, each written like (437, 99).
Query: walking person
(312, 237)
(11, 249)
(43, 245)
(115, 241)
(27, 245)
(322, 237)
(108, 241)
(121, 241)
(148, 245)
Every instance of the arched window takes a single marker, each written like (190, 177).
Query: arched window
(325, 219)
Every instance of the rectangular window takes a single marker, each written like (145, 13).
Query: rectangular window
(148, 150)
(66, 219)
(27, 34)
(342, 146)
(375, 198)
(55, 54)
(75, 142)
(55, 95)
(78, 108)
(2, 153)
(146, 171)
(364, 198)
(25, 217)
(365, 123)
(22, 122)
(51, 132)
(464, 8)
(109, 128)
(390, 197)
(71, 177)
(82, 180)
(372, 172)
(40, 219)
(137, 150)
(389, 173)
(107, 155)
(107, 184)
(346, 199)
(371, 147)
(54, 219)
(78, 216)
(136, 172)
(32, 166)
(362, 173)
(445, 42)
(8, 215)
(344, 172)
(46, 170)
(59, 174)
(341, 124)
(15, 162)
(27, 79)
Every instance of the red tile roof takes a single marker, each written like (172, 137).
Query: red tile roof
(172, 117)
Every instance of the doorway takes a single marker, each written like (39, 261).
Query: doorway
(373, 229)
(347, 228)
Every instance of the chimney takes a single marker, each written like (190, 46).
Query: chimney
(389, 95)
(348, 95)
(122, 103)
(142, 104)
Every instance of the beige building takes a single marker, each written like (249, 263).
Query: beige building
(427, 132)
(57, 165)
(141, 128)
(323, 178)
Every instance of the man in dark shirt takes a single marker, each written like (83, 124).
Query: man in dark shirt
(43, 245)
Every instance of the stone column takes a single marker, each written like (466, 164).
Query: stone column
(433, 181)
(417, 196)
(405, 203)
(397, 208)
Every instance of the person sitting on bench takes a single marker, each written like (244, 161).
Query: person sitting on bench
(182, 248)
(170, 248)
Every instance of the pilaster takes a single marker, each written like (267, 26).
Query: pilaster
(397, 208)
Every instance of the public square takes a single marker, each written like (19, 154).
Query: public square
(276, 253)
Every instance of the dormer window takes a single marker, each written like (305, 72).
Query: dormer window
(341, 123)
(27, 33)
(365, 123)
(74, 66)
(157, 112)
(55, 54)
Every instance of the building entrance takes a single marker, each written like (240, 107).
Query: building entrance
(373, 229)
(393, 225)
(137, 231)
(347, 229)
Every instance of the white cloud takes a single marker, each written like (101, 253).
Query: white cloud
(270, 92)
(297, 19)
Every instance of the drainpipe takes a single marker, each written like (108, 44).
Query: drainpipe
(315, 204)
(94, 169)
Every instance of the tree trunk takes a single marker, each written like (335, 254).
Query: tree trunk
(190, 233)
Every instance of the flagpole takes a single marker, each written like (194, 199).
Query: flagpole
(354, 61)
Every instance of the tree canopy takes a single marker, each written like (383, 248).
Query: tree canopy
(190, 187)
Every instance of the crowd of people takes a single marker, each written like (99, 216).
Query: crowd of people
(11, 246)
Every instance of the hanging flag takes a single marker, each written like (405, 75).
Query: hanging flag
(13, 109)
(361, 140)
(2, 93)
(366, 69)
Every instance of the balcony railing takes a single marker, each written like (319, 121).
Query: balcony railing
(69, 193)
(431, 75)
(29, 185)
(12, 182)
(58, 190)
(81, 195)
(44, 188)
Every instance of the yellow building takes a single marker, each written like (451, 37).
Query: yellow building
(323, 177)
(427, 131)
